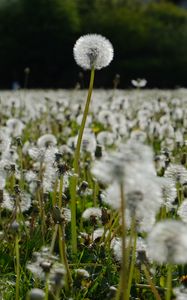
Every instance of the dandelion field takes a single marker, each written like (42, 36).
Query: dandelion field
(133, 153)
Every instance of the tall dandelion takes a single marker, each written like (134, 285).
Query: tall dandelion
(91, 52)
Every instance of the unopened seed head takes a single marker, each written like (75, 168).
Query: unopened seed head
(36, 294)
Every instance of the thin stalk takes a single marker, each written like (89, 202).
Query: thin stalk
(17, 266)
(62, 248)
(122, 291)
(133, 260)
(95, 193)
(21, 166)
(76, 166)
(147, 286)
(124, 254)
(110, 227)
(152, 286)
(47, 287)
(132, 234)
(54, 193)
(60, 191)
(54, 239)
(73, 184)
(41, 212)
(169, 282)
(81, 130)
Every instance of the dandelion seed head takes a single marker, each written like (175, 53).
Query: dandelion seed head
(36, 294)
(4, 141)
(98, 233)
(9, 201)
(42, 261)
(167, 242)
(182, 211)
(88, 142)
(90, 212)
(15, 127)
(66, 212)
(177, 173)
(46, 140)
(57, 276)
(169, 192)
(181, 293)
(106, 138)
(36, 154)
(93, 50)
(139, 83)
(82, 273)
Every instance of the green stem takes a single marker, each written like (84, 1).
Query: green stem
(21, 167)
(63, 256)
(169, 282)
(17, 266)
(54, 193)
(55, 232)
(133, 259)
(95, 192)
(147, 287)
(73, 184)
(81, 130)
(112, 224)
(41, 212)
(122, 291)
(60, 191)
(47, 287)
(76, 166)
(152, 286)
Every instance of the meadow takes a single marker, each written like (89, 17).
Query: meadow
(130, 202)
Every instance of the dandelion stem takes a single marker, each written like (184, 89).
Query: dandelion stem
(122, 291)
(169, 282)
(47, 287)
(152, 286)
(81, 130)
(60, 191)
(54, 239)
(63, 255)
(147, 286)
(17, 266)
(133, 259)
(76, 166)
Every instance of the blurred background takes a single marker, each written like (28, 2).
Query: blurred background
(37, 38)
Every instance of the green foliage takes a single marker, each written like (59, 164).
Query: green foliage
(150, 40)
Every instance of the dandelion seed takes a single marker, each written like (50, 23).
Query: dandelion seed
(93, 50)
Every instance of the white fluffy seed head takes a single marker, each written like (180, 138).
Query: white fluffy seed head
(93, 50)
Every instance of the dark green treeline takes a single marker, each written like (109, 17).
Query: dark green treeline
(149, 38)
